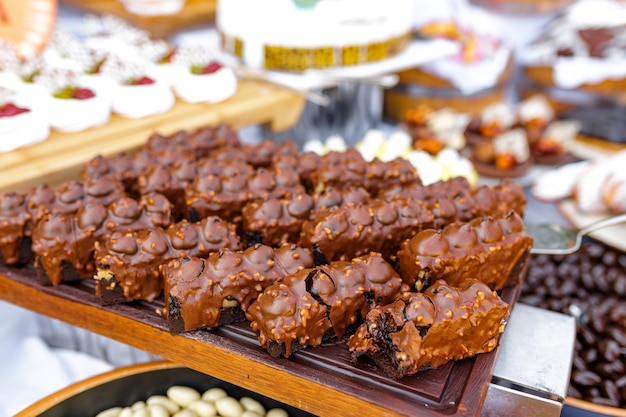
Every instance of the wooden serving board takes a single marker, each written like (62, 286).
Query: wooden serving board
(321, 380)
(59, 158)
(195, 13)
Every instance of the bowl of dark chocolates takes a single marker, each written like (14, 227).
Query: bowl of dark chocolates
(589, 285)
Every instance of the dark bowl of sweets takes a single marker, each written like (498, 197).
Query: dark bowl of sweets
(589, 285)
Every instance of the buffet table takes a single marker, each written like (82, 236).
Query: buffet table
(527, 375)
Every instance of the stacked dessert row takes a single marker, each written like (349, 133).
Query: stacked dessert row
(110, 67)
(502, 140)
(305, 247)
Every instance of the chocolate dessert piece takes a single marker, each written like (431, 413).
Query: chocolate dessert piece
(217, 290)
(223, 188)
(468, 201)
(315, 304)
(381, 226)
(277, 220)
(61, 241)
(160, 179)
(426, 330)
(128, 262)
(123, 167)
(19, 213)
(356, 229)
(14, 216)
(485, 248)
(417, 191)
(344, 169)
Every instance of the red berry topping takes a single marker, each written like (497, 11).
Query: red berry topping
(143, 81)
(10, 109)
(214, 66)
(83, 94)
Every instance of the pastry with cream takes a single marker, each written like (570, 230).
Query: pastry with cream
(20, 124)
(202, 78)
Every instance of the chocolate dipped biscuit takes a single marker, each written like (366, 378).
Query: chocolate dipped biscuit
(315, 304)
(426, 330)
(217, 290)
(128, 262)
(485, 248)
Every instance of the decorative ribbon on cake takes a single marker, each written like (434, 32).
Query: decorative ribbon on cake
(283, 58)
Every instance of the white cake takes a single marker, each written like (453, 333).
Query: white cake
(295, 35)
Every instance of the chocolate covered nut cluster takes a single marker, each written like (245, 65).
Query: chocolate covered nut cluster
(19, 213)
(485, 248)
(163, 150)
(353, 229)
(60, 240)
(307, 307)
(426, 330)
(204, 292)
(276, 220)
(345, 169)
(14, 216)
(128, 262)
(224, 188)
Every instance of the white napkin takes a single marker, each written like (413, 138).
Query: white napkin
(572, 72)
(29, 368)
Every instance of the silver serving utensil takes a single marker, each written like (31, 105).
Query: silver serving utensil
(553, 239)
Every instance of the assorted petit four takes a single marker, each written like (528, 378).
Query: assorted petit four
(203, 78)
(21, 123)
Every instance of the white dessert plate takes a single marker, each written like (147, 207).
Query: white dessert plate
(614, 236)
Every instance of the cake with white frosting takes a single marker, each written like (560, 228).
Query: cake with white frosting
(296, 35)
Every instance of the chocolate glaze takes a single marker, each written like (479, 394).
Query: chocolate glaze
(19, 213)
(426, 330)
(14, 216)
(70, 238)
(225, 188)
(131, 259)
(357, 229)
(349, 169)
(309, 306)
(196, 289)
(485, 248)
(277, 220)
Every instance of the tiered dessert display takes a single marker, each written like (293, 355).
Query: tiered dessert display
(467, 81)
(269, 260)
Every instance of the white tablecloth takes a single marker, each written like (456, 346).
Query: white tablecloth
(39, 356)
